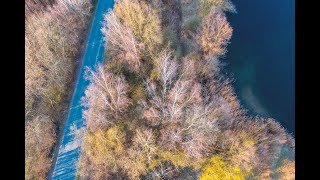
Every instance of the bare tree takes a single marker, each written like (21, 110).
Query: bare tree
(121, 38)
(106, 97)
(200, 129)
(171, 137)
(39, 138)
(52, 43)
(175, 92)
(33, 6)
(144, 142)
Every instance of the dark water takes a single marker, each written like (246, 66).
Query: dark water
(261, 57)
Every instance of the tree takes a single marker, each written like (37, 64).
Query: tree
(101, 152)
(106, 98)
(177, 101)
(185, 120)
(287, 170)
(121, 38)
(39, 139)
(32, 6)
(144, 142)
(52, 43)
(200, 130)
(218, 169)
(176, 91)
(214, 33)
(171, 137)
(143, 20)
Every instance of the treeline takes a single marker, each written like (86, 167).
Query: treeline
(53, 36)
(33, 6)
(161, 108)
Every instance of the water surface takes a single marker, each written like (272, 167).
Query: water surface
(261, 57)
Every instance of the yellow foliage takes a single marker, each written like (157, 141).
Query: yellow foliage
(115, 67)
(154, 75)
(178, 159)
(218, 169)
(103, 146)
(138, 93)
(54, 95)
(143, 20)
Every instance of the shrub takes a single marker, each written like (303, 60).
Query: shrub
(192, 24)
(171, 38)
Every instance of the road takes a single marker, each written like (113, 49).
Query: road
(66, 159)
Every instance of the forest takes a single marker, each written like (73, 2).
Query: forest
(54, 34)
(161, 106)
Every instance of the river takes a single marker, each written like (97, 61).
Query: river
(261, 57)
(67, 157)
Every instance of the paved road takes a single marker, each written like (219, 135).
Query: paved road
(65, 166)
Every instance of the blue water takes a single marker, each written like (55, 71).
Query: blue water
(69, 151)
(261, 56)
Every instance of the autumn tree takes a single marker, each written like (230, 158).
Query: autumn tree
(287, 170)
(105, 99)
(218, 168)
(121, 38)
(52, 43)
(177, 116)
(179, 100)
(101, 151)
(214, 33)
(143, 20)
(39, 139)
